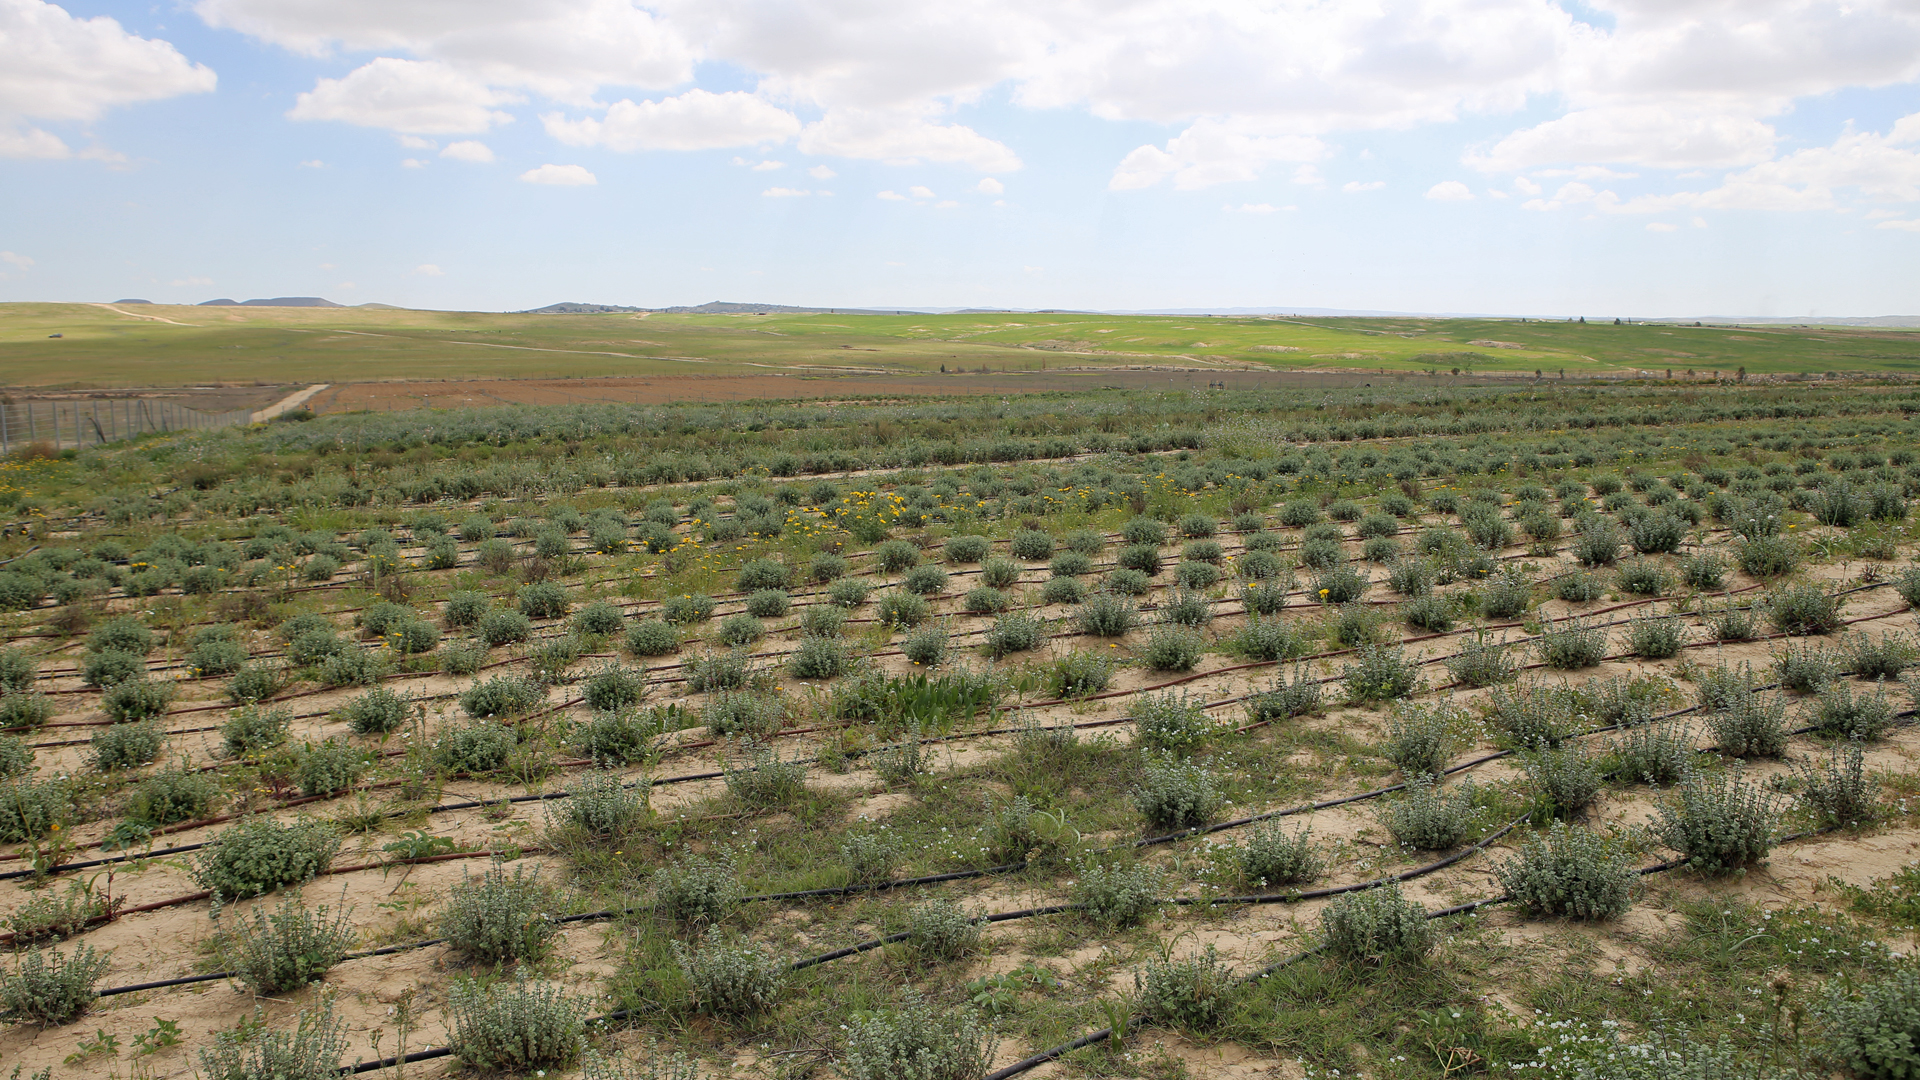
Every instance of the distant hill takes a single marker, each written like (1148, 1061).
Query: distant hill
(713, 307)
(278, 301)
(133, 301)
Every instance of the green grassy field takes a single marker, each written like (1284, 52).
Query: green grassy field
(170, 346)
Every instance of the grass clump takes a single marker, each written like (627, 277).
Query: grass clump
(1719, 823)
(271, 952)
(500, 916)
(1570, 873)
(515, 1026)
(1377, 926)
(765, 779)
(255, 856)
(1838, 790)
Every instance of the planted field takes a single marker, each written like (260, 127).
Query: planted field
(1395, 733)
(96, 345)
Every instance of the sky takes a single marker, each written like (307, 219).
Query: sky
(1640, 158)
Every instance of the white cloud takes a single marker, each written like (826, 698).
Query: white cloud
(560, 176)
(418, 96)
(16, 259)
(904, 138)
(919, 192)
(769, 166)
(564, 50)
(989, 186)
(1525, 186)
(822, 172)
(1249, 208)
(469, 150)
(414, 163)
(1353, 186)
(1210, 152)
(54, 67)
(429, 270)
(1449, 191)
(1659, 136)
(1907, 224)
(191, 281)
(891, 196)
(315, 163)
(695, 120)
(784, 193)
(946, 204)
(415, 142)
(1661, 226)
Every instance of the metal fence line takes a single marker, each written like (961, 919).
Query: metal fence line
(95, 421)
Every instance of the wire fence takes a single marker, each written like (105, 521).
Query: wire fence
(93, 421)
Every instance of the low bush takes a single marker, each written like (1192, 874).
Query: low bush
(1596, 543)
(900, 608)
(123, 634)
(941, 929)
(16, 757)
(1482, 662)
(1103, 614)
(210, 659)
(1534, 717)
(1191, 994)
(1730, 622)
(517, 1026)
(1579, 587)
(24, 710)
(1377, 926)
(464, 658)
(502, 695)
(967, 549)
(1883, 658)
(697, 891)
(1571, 873)
(250, 729)
(480, 747)
(1842, 714)
(1658, 533)
(617, 738)
(258, 855)
(172, 796)
(104, 669)
(1272, 639)
(729, 976)
(1565, 779)
(1078, 674)
(1838, 790)
(849, 593)
(124, 746)
(1338, 585)
(744, 712)
(1432, 613)
(1144, 558)
(1117, 895)
(1171, 648)
(1380, 673)
(1506, 596)
(1429, 818)
(354, 666)
(1660, 754)
(1570, 643)
(1128, 583)
(1420, 740)
(927, 646)
(986, 600)
(500, 916)
(999, 573)
(869, 857)
(285, 949)
(732, 670)
(687, 609)
(1273, 857)
(49, 987)
(1197, 525)
(1031, 545)
(1176, 793)
(1803, 609)
(329, 768)
(768, 604)
(503, 626)
(1285, 699)
(1656, 637)
(1719, 822)
(1063, 590)
(1873, 1027)
(18, 670)
(1767, 556)
(652, 637)
(760, 574)
(1703, 571)
(739, 630)
(1806, 669)
(465, 609)
(820, 657)
(1017, 631)
(599, 619)
(916, 1042)
(766, 779)
(1644, 577)
(1749, 724)
(1196, 575)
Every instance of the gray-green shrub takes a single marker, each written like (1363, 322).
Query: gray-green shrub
(1428, 817)
(271, 952)
(123, 746)
(697, 891)
(250, 729)
(500, 916)
(1572, 873)
(1193, 993)
(1272, 857)
(172, 796)
(1377, 926)
(1420, 739)
(1719, 822)
(1873, 1028)
(515, 1027)
(50, 987)
(258, 855)
(1176, 793)
(1118, 894)
(329, 768)
(730, 976)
